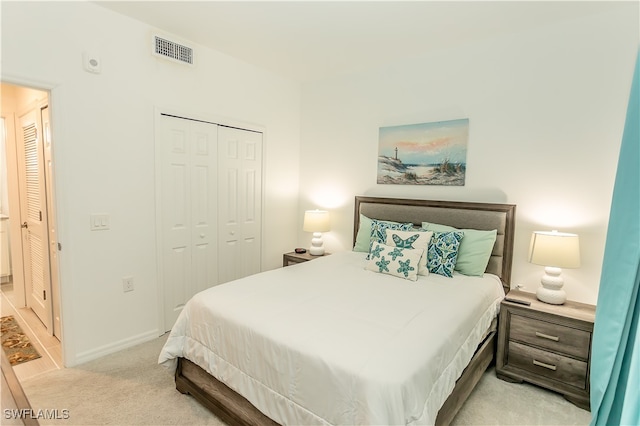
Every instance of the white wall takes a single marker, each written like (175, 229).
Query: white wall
(103, 136)
(546, 111)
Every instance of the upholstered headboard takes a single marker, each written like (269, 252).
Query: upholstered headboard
(483, 216)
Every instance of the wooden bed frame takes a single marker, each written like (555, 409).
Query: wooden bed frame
(234, 409)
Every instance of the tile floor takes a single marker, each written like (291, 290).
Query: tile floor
(48, 346)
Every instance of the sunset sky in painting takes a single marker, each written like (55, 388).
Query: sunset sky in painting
(426, 143)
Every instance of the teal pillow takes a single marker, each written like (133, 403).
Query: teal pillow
(443, 252)
(363, 237)
(379, 230)
(475, 248)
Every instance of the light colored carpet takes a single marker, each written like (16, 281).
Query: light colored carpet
(124, 388)
(129, 388)
(496, 402)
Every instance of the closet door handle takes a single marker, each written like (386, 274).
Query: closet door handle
(544, 365)
(546, 336)
(25, 225)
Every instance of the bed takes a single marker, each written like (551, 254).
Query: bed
(315, 343)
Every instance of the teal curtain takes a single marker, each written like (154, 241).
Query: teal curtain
(615, 362)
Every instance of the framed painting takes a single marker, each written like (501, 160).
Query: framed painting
(424, 154)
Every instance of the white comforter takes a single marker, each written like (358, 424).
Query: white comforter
(329, 342)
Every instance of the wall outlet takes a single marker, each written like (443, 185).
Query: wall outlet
(127, 284)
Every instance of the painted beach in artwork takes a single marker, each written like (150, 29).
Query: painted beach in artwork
(424, 154)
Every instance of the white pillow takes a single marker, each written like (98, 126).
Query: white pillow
(418, 239)
(394, 261)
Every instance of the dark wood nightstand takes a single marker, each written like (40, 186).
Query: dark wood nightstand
(547, 345)
(292, 258)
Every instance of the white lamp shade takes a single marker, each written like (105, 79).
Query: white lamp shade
(316, 221)
(555, 249)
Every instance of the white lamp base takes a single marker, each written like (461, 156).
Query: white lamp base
(317, 246)
(551, 290)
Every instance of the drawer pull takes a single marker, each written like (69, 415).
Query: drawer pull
(546, 336)
(542, 364)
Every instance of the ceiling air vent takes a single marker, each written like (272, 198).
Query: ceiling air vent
(172, 50)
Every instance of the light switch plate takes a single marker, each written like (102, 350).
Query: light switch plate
(99, 222)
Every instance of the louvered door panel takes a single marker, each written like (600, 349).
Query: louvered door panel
(34, 218)
(36, 265)
(32, 172)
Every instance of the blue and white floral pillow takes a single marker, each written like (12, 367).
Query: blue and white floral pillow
(396, 261)
(443, 252)
(379, 231)
(415, 239)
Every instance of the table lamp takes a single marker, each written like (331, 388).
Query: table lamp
(316, 221)
(554, 250)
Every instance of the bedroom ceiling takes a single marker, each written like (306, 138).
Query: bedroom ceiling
(307, 40)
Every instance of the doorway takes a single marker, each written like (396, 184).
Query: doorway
(30, 263)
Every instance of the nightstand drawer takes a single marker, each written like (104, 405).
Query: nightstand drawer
(294, 258)
(556, 337)
(561, 368)
(293, 261)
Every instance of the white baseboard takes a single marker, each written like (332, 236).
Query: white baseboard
(96, 353)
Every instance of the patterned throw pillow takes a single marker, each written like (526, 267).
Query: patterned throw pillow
(417, 239)
(443, 252)
(475, 248)
(379, 231)
(396, 261)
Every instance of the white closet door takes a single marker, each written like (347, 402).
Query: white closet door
(189, 222)
(240, 203)
(33, 215)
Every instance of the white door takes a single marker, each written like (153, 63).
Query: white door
(188, 210)
(240, 202)
(33, 213)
